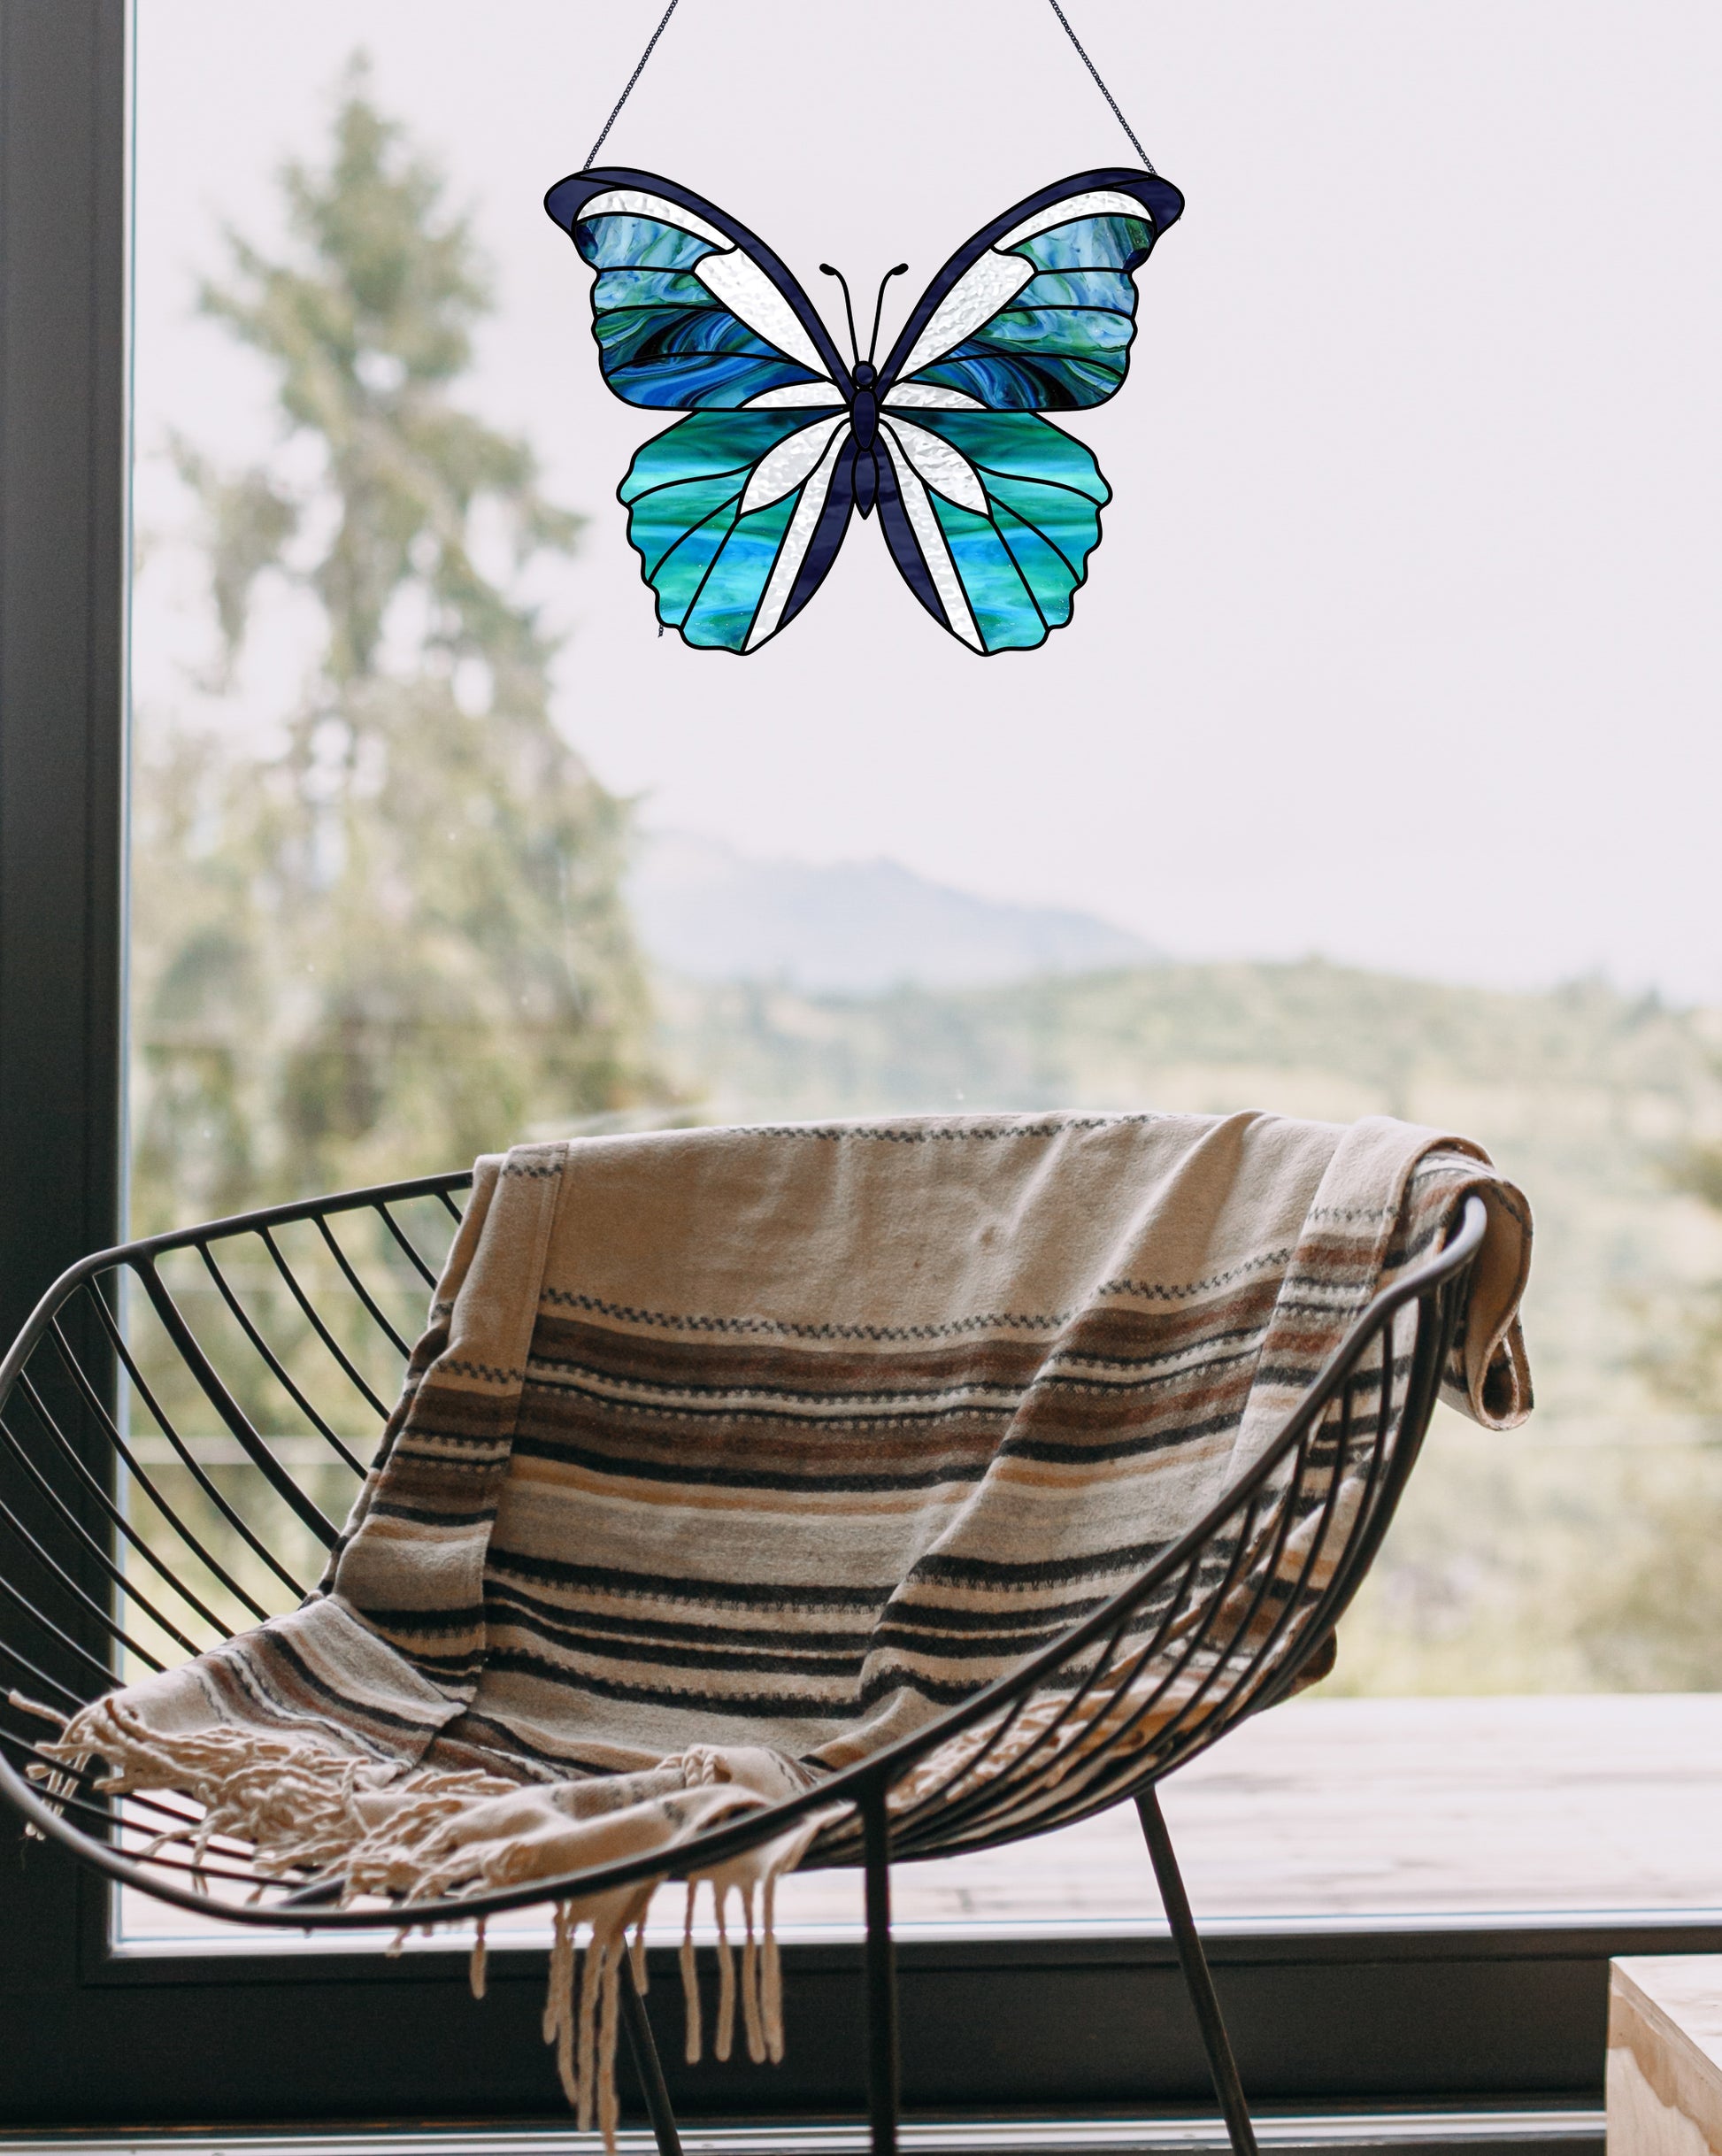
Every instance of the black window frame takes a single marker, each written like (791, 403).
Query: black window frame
(1402, 2013)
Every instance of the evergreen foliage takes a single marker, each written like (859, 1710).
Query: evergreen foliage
(392, 935)
(1683, 1355)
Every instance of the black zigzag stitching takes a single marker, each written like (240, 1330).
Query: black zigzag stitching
(490, 1372)
(1166, 1291)
(993, 1321)
(790, 1329)
(891, 1134)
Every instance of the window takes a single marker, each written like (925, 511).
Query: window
(1380, 590)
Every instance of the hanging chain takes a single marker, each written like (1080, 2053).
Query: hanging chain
(662, 24)
(1099, 84)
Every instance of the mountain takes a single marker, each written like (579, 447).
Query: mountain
(856, 927)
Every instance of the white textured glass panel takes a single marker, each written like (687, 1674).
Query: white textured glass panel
(793, 394)
(928, 397)
(944, 469)
(1098, 205)
(630, 202)
(796, 541)
(975, 297)
(750, 294)
(780, 471)
(924, 524)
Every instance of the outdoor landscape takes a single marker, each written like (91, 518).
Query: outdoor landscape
(403, 921)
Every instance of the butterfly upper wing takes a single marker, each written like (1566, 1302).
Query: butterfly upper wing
(690, 310)
(1037, 312)
(737, 511)
(991, 512)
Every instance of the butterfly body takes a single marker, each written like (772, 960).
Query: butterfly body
(989, 511)
(862, 452)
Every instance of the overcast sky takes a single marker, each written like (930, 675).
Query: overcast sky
(1403, 643)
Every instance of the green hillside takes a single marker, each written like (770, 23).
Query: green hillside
(1576, 1554)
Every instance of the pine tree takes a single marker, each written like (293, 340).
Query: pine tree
(396, 938)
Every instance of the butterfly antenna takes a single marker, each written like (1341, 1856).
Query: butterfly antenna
(878, 304)
(826, 270)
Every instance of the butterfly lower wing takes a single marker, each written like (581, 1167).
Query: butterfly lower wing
(691, 311)
(736, 516)
(1037, 312)
(991, 519)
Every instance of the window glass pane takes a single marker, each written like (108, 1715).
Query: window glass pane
(1375, 775)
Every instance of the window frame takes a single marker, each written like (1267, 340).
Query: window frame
(1451, 2012)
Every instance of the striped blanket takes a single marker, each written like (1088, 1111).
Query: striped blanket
(731, 1456)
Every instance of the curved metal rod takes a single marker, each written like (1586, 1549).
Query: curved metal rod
(92, 1487)
(344, 1361)
(372, 1308)
(187, 1459)
(1109, 1778)
(407, 1246)
(850, 1787)
(1262, 1681)
(87, 1545)
(97, 1407)
(39, 1676)
(274, 1364)
(211, 1231)
(239, 1423)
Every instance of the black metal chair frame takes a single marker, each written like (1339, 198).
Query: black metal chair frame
(1236, 1634)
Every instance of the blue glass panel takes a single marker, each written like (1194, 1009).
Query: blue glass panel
(662, 520)
(681, 576)
(724, 612)
(638, 243)
(708, 565)
(1019, 566)
(1109, 288)
(637, 287)
(1010, 447)
(1088, 243)
(1049, 576)
(705, 443)
(665, 341)
(1004, 612)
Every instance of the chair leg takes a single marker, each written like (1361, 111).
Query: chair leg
(882, 2065)
(1198, 1980)
(649, 2067)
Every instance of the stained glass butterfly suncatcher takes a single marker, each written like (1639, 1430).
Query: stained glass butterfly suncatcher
(989, 511)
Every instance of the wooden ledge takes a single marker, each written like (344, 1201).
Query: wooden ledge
(1665, 2072)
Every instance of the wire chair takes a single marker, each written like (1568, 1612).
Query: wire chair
(184, 1421)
